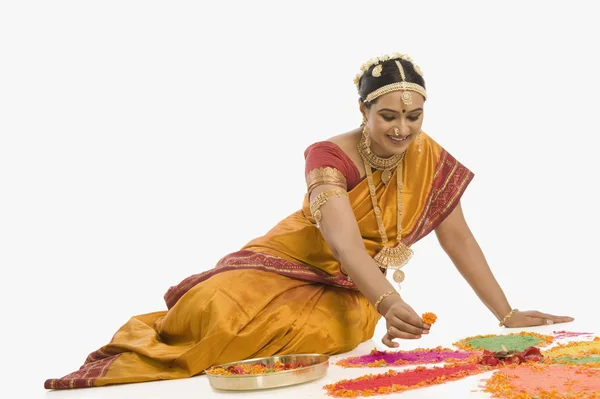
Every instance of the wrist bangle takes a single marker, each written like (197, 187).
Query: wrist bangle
(508, 316)
(382, 297)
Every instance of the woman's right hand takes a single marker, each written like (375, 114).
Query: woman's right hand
(402, 322)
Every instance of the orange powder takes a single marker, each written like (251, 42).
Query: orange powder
(543, 381)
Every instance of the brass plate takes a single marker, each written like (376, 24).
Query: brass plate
(313, 367)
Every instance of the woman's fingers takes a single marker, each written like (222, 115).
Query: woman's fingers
(553, 318)
(540, 321)
(403, 323)
(411, 310)
(562, 319)
(394, 332)
(387, 341)
(408, 317)
(403, 326)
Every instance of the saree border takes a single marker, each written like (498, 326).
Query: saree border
(96, 366)
(450, 180)
(246, 259)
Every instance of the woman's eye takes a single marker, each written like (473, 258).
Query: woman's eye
(413, 118)
(388, 118)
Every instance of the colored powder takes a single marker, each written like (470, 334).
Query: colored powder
(510, 342)
(575, 349)
(569, 334)
(417, 356)
(556, 381)
(394, 382)
(581, 360)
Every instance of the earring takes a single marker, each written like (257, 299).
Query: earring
(419, 142)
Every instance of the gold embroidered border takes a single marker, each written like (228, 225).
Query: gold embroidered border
(246, 259)
(443, 197)
(327, 175)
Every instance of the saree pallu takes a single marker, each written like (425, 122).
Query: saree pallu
(282, 293)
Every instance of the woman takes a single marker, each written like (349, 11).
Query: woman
(314, 283)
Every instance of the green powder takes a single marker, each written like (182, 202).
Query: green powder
(581, 360)
(510, 342)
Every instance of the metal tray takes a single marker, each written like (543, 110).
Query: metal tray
(313, 367)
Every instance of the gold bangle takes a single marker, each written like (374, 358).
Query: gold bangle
(382, 297)
(508, 316)
(320, 200)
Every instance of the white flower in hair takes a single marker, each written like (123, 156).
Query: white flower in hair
(378, 60)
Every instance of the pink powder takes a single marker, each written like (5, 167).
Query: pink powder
(568, 334)
(417, 356)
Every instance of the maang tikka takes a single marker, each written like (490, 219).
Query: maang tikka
(406, 95)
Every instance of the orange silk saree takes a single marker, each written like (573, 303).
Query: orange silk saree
(281, 293)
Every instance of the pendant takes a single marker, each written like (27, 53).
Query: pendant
(393, 257)
(386, 176)
(399, 276)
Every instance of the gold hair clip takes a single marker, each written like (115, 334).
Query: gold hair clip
(402, 75)
(377, 71)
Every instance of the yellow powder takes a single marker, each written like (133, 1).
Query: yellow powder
(575, 349)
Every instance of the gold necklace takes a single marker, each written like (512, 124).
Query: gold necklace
(386, 165)
(389, 257)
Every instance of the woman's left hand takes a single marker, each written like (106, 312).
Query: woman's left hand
(534, 318)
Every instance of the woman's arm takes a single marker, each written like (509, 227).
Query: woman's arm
(458, 242)
(341, 233)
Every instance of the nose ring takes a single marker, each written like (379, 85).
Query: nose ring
(396, 131)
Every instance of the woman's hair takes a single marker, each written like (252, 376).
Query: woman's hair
(389, 74)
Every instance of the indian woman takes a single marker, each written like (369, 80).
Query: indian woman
(316, 282)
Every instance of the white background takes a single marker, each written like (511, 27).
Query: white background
(142, 141)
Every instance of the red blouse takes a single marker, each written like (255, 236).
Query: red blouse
(325, 154)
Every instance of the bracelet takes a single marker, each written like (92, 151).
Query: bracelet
(508, 316)
(382, 297)
(320, 200)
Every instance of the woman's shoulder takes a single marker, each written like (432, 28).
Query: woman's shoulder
(345, 142)
(342, 146)
(338, 152)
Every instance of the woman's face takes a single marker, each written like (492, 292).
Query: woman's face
(392, 124)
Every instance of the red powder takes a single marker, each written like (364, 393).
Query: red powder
(393, 381)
